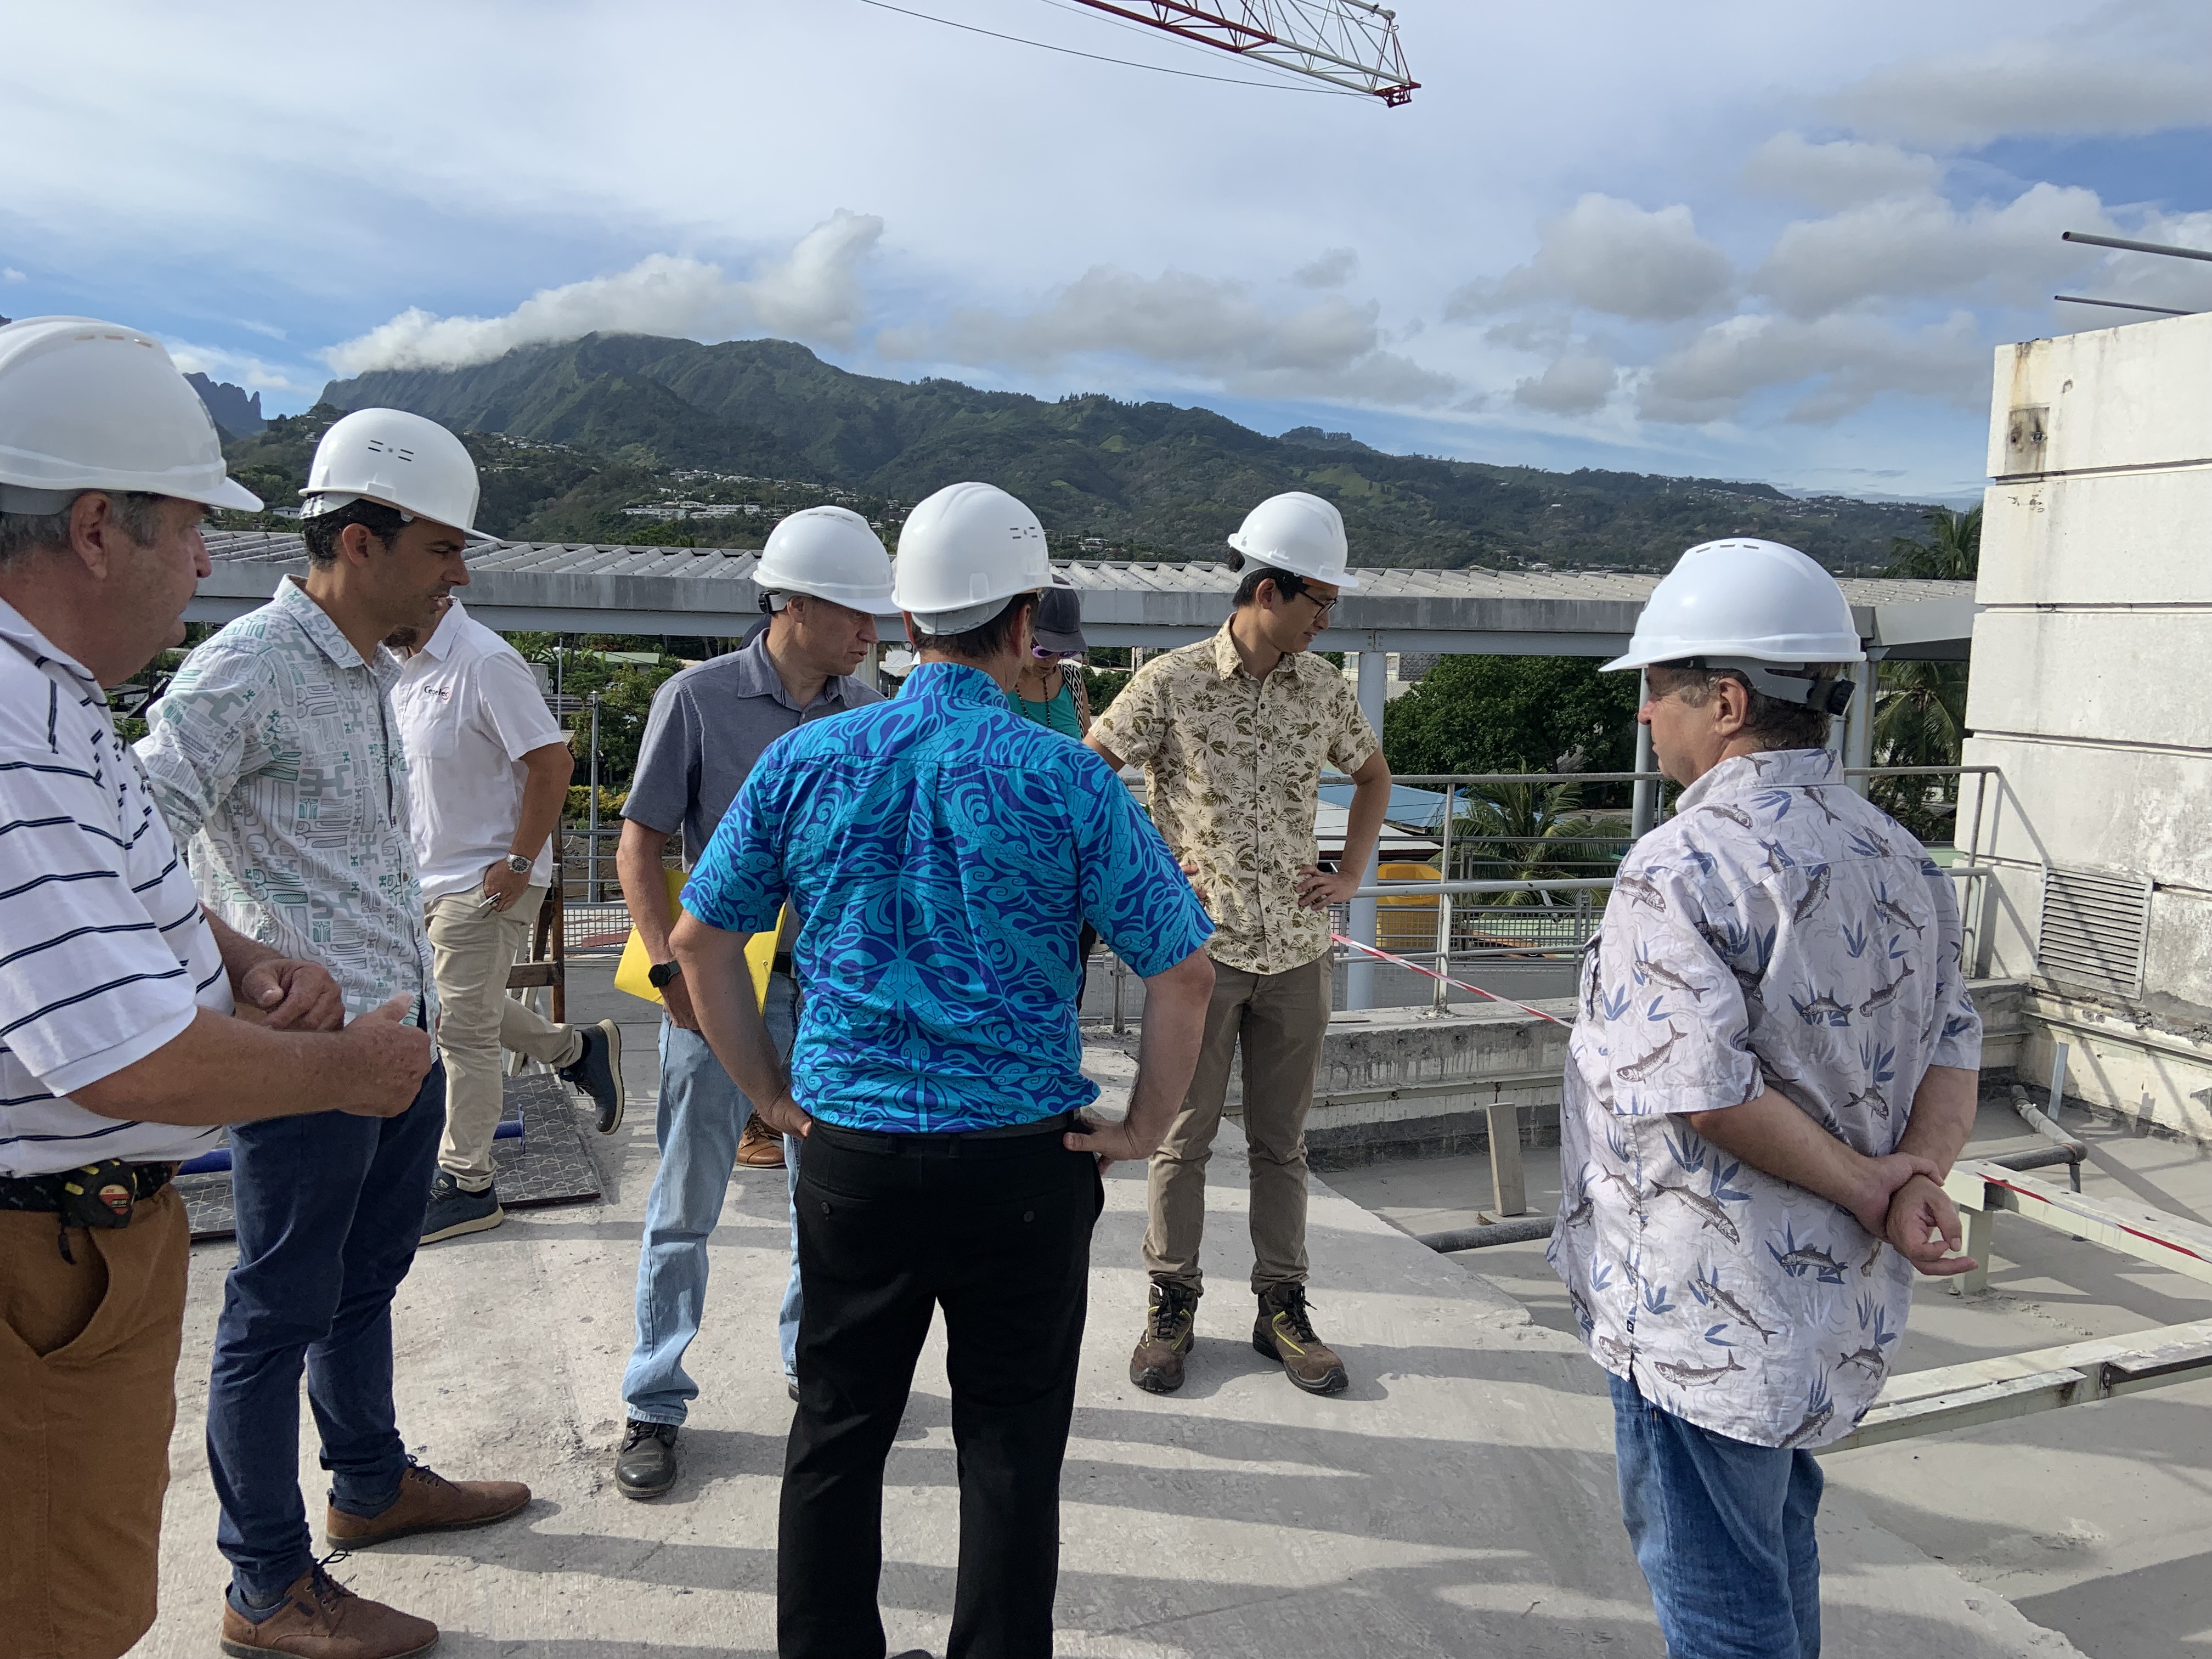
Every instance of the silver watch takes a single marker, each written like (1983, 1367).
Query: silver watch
(518, 864)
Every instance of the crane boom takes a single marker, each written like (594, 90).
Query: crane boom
(1347, 43)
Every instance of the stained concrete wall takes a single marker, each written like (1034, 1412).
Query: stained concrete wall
(2096, 589)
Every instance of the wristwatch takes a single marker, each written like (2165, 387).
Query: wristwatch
(518, 864)
(660, 973)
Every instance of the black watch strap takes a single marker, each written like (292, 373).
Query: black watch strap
(660, 973)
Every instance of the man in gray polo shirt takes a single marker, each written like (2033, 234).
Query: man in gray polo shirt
(824, 579)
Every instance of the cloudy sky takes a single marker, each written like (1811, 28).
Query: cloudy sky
(1713, 237)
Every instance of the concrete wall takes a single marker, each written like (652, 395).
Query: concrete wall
(2089, 688)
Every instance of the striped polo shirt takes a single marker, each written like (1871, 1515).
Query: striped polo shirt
(104, 953)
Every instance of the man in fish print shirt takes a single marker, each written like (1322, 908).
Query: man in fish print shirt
(1774, 1065)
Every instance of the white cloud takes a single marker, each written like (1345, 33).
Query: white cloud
(1216, 328)
(239, 367)
(1333, 270)
(814, 293)
(1851, 358)
(1612, 256)
(1835, 175)
(2053, 88)
(1920, 247)
(1577, 385)
(12, 275)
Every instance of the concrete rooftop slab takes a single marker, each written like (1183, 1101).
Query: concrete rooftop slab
(1459, 1501)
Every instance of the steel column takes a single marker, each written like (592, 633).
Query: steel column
(1644, 811)
(1373, 669)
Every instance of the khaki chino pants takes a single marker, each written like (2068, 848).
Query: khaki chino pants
(88, 1398)
(1278, 1020)
(472, 949)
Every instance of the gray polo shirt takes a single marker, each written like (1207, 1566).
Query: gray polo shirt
(709, 725)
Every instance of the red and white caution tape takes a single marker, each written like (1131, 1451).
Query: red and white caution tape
(1458, 984)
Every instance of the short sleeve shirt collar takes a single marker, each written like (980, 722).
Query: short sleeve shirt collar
(293, 600)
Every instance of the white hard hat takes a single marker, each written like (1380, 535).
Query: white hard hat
(1297, 532)
(1744, 604)
(93, 405)
(830, 553)
(965, 552)
(400, 459)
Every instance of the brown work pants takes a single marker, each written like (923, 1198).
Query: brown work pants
(1279, 1021)
(87, 1397)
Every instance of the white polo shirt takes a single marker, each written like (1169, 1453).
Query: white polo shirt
(104, 955)
(469, 711)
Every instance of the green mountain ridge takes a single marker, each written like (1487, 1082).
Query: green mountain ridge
(635, 413)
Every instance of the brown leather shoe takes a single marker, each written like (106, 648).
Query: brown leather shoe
(321, 1619)
(427, 1502)
(760, 1147)
(1170, 1332)
(1284, 1331)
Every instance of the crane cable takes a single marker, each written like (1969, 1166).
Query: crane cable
(1098, 57)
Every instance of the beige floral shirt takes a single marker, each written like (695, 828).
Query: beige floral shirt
(1234, 765)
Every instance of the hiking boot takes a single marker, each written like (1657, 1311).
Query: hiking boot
(760, 1147)
(453, 1210)
(1171, 1331)
(427, 1502)
(598, 1072)
(1284, 1331)
(321, 1619)
(645, 1466)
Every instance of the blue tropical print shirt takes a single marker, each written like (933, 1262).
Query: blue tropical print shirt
(941, 853)
(1779, 932)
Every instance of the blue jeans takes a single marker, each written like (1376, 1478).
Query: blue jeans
(329, 1208)
(702, 1112)
(1723, 1531)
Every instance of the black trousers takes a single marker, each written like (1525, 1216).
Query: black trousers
(997, 1232)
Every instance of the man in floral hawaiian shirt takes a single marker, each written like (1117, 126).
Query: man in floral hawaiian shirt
(1233, 732)
(1774, 1065)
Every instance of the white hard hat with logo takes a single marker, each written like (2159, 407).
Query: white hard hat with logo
(965, 552)
(1763, 609)
(1300, 533)
(829, 553)
(403, 460)
(91, 405)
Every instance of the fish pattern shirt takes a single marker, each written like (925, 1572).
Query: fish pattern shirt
(1780, 931)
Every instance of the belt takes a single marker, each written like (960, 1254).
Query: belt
(92, 1196)
(945, 1145)
(783, 965)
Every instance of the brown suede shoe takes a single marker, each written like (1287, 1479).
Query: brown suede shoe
(760, 1147)
(321, 1619)
(427, 1502)
(1170, 1332)
(1284, 1331)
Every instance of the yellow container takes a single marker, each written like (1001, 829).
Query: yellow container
(1406, 922)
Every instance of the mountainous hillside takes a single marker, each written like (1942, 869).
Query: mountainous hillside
(616, 421)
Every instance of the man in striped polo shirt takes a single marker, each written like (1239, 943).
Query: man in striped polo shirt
(120, 1056)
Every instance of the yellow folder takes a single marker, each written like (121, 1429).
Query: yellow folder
(630, 975)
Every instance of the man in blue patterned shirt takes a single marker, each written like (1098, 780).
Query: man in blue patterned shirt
(941, 855)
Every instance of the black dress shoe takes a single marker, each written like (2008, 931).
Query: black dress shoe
(645, 1466)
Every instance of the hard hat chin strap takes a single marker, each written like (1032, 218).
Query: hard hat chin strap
(1810, 686)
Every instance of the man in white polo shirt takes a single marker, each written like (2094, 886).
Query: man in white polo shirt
(119, 1052)
(488, 769)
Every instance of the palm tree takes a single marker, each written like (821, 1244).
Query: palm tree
(1920, 708)
(1533, 831)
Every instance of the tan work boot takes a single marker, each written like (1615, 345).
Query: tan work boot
(1284, 1331)
(321, 1619)
(427, 1502)
(760, 1147)
(1170, 1332)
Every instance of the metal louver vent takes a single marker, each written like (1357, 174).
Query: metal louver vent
(2093, 928)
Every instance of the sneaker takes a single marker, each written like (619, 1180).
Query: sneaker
(452, 1211)
(1170, 1332)
(598, 1072)
(321, 1619)
(427, 1502)
(1284, 1331)
(760, 1147)
(645, 1466)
